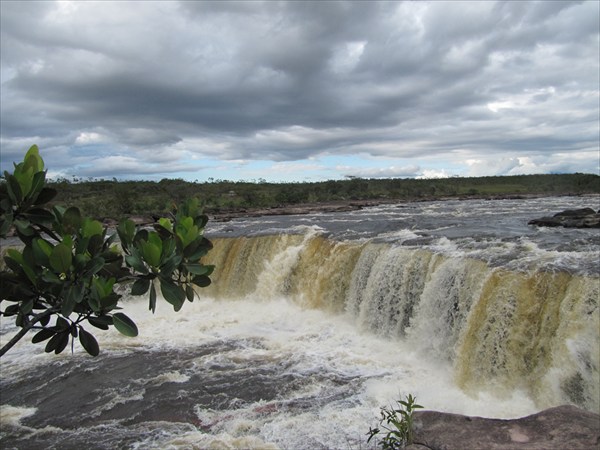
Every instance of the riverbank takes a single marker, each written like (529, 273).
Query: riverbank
(355, 205)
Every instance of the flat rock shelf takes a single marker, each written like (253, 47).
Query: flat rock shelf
(561, 427)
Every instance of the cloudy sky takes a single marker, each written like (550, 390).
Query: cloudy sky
(301, 90)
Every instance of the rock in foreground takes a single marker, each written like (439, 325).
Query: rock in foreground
(571, 218)
(560, 428)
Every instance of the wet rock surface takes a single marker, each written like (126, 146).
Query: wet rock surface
(570, 218)
(562, 427)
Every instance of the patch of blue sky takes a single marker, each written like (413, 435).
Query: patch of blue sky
(321, 168)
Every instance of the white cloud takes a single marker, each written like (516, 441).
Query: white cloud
(89, 137)
(380, 172)
(512, 86)
(347, 56)
(433, 173)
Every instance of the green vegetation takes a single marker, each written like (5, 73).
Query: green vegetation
(69, 267)
(114, 199)
(398, 424)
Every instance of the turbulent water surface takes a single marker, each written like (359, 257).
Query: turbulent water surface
(315, 322)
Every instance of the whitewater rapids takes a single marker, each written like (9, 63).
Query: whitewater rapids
(313, 323)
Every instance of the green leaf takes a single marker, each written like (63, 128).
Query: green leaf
(16, 262)
(201, 220)
(73, 296)
(187, 232)
(24, 227)
(62, 324)
(172, 293)
(168, 248)
(13, 265)
(189, 292)
(39, 216)
(103, 286)
(44, 320)
(198, 269)
(41, 251)
(152, 298)
(14, 190)
(39, 179)
(42, 335)
(165, 223)
(154, 238)
(45, 195)
(11, 310)
(58, 342)
(124, 325)
(71, 220)
(201, 281)
(102, 322)
(15, 254)
(88, 342)
(110, 301)
(80, 261)
(94, 266)
(61, 258)
(126, 232)
(50, 277)
(24, 177)
(27, 306)
(185, 223)
(201, 249)
(95, 244)
(136, 263)
(91, 227)
(5, 223)
(167, 268)
(140, 235)
(151, 253)
(33, 159)
(140, 287)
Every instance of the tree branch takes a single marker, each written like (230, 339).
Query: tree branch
(23, 331)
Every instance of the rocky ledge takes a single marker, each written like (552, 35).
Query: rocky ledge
(560, 428)
(287, 210)
(570, 218)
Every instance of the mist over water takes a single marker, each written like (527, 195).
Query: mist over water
(314, 322)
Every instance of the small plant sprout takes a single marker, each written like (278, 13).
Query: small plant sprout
(397, 424)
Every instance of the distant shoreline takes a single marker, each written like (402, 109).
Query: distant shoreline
(355, 205)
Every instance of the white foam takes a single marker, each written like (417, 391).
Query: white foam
(12, 415)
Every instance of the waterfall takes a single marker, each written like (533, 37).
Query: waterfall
(501, 330)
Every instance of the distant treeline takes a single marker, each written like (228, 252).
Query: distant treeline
(115, 199)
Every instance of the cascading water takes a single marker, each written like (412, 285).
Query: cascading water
(499, 329)
(314, 322)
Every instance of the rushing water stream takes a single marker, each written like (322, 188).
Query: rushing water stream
(314, 322)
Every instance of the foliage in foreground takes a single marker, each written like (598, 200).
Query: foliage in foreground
(397, 424)
(70, 268)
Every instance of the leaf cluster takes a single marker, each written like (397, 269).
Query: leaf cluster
(69, 267)
(169, 255)
(397, 424)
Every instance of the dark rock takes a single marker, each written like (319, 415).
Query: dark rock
(570, 218)
(562, 427)
(545, 222)
(575, 212)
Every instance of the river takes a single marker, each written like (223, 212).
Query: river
(314, 322)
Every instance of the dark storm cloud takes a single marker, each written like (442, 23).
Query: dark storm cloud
(149, 85)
